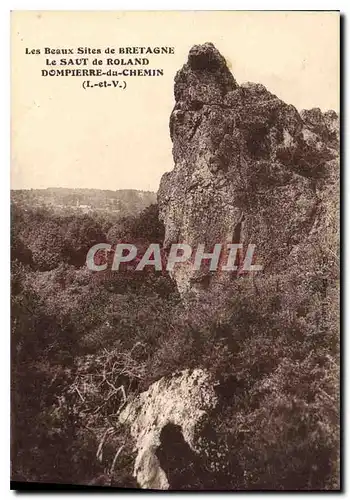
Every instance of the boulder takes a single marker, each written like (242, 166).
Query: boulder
(248, 168)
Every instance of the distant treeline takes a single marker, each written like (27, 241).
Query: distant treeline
(123, 202)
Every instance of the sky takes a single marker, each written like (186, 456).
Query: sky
(107, 138)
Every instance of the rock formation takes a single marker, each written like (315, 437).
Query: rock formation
(248, 168)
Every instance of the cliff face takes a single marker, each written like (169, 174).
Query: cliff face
(260, 410)
(248, 169)
(181, 403)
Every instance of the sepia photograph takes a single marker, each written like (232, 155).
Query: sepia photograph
(175, 250)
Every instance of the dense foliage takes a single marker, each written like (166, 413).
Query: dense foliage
(83, 342)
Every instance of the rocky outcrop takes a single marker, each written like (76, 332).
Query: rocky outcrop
(249, 168)
(166, 421)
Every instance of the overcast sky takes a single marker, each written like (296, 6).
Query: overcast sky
(64, 136)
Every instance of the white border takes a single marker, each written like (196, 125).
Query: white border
(5, 7)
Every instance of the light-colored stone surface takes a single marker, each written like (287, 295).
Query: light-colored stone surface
(243, 159)
(183, 399)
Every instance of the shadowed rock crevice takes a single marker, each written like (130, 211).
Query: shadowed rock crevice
(188, 470)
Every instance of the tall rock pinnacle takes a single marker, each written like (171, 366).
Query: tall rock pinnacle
(248, 169)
